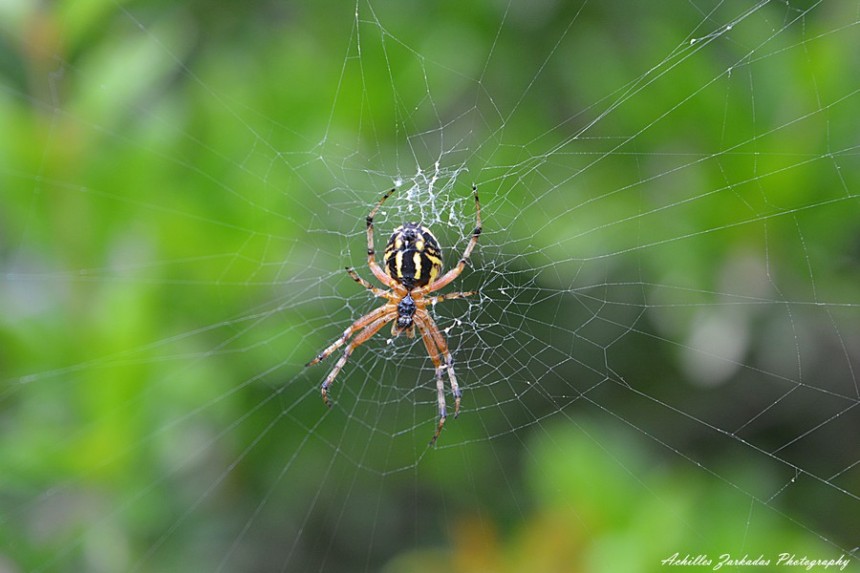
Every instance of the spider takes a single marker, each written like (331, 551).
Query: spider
(413, 262)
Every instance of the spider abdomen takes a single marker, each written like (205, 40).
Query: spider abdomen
(412, 256)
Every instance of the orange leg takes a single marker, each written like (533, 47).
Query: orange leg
(355, 326)
(360, 339)
(455, 272)
(439, 339)
(376, 291)
(449, 296)
(371, 252)
(433, 351)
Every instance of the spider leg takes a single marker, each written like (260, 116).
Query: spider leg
(357, 325)
(376, 291)
(449, 296)
(433, 351)
(371, 260)
(455, 272)
(425, 320)
(360, 339)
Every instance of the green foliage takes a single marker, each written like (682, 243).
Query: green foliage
(598, 502)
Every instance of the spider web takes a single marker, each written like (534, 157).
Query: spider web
(664, 337)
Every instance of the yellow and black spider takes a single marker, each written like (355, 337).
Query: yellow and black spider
(413, 261)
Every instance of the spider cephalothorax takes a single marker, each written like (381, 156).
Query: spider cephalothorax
(405, 311)
(413, 261)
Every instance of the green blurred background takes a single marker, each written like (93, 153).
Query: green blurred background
(663, 357)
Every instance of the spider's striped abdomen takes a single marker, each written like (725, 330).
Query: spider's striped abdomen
(412, 256)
